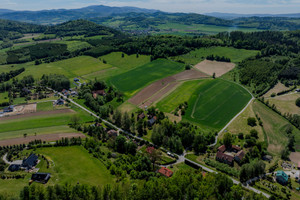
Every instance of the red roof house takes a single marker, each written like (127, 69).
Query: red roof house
(98, 92)
(239, 156)
(165, 171)
(222, 157)
(222, 148)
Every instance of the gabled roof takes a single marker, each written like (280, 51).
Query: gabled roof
(165, 171)
(222, 148)
(236, 148)
(30, 161)
(283, 175)
(142, 115)
(40, 177)
(225, 157)
(240, 154)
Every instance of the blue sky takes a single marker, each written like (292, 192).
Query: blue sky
(197, 6)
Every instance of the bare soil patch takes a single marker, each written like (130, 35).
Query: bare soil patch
(22, 109)
(30, 35)
(37, 114)
(295, 157)
(279, 87)
(211, 67)
(47, 138)
(156, 90)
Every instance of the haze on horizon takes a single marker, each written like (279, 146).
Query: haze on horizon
(195, 6)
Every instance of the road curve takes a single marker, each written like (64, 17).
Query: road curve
(181, 158)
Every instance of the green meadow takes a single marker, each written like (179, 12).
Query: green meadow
(4, 97)
(274, 126)
(133, 80)
(119, 65)
(215, 103)
(198, 55)
(73, 67)
(178, 96)
(75, 45)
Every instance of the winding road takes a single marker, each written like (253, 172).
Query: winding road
(181, 158)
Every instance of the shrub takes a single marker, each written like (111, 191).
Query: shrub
(298, 102)
(251, 121)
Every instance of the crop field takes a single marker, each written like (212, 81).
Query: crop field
(170, 102)
(133, 80)
(236, 55)
(44, 122)
(274, 126)
(215, 103)
(286, 103)
(279, 87)
(71, 68)
(214, 67)
(119, 65)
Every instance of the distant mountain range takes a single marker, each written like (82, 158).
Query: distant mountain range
(234, 15)
(62, 15)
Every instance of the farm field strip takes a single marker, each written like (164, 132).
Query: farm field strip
(158, 89)
(44, 137)
(211, 67)
(132, 81)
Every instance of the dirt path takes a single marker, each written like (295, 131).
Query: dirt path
(47, 138)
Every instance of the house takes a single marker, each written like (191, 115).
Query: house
(76, 79)
(74, 93)
(165, 171)
(112, 133)
(30, 162)
(65, 92)
(267, 158)
(141, 116)
(40, 177)
(8, 109)
(59, 102)
(98, 92)
(222, 148)
(235, 149)
(152, 121)
(297, 90)
(239, 156)
(15, 166)
(282, 177)
(225, 158)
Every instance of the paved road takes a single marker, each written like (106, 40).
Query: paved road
(223, 129)
(5, 159)
(181, 158)
(234, 181)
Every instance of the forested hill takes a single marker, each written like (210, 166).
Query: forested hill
(80, 27)
(14, 30)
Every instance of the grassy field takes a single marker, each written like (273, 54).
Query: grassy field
(71, 68)
(215, 103)
(69, 165)
(178, 96)
(274, 126)
(119, 65)
(286, 103)
(75, 45)
(135, 79)
(236, 55)
(198, 28)
(4, 97)
(73, 165)
(239, 125)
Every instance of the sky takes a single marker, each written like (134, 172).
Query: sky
(195, 6)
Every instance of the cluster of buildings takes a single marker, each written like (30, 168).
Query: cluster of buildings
(229, 155)
(29, 164)
(151, 118)
(69, 92)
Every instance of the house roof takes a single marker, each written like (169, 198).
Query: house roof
(40, 177)
(225, 157)
(222, 148)
(282, 174)
(240, 154)
(30, 161)
(142, 115)
(236, 147)
(150, 149)
(112, 132)
(165, 171)
(152, 121)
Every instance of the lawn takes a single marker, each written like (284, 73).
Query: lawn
(178, 96)
(198, 55)
(275, 126)
(70, 165)
(4, 97)
(45, 106)
(133, 80)
(215, 103)
(71, 68)
(74, 165)
(119, 65)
